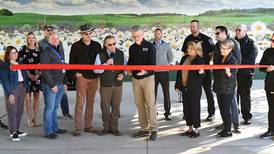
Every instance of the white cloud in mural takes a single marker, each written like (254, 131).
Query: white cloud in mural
(128, 6)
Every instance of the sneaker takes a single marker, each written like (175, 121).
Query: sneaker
(210, 118)
(140, 134)
(61, 131)
(51, 136)
(247, 122)
(15, 137)
(2, 125)
(68, 116)
(19, 133)
(236, 129)
(267, 134)
(153, 136)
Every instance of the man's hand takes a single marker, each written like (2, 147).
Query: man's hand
(77, 75)
(227, 71)
(65, 87)
(270, 68)
(11, 99)
(54, 89)
(120, 77)
(143, 72)
(109, 62)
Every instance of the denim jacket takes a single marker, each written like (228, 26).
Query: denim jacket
(10, 81)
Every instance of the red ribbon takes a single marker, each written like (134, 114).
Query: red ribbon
(127, 67)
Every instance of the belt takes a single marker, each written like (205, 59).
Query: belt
(21, 82)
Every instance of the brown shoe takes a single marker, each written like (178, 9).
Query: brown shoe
(116, 132)
(103, 132)
(76, 133)
(90, 130)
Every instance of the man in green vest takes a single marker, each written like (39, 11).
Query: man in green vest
(110, 85)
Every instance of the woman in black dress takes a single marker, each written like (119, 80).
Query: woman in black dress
(268, 59)
(29, 54)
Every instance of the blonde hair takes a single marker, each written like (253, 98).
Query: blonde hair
(228, 43)
(197, 47)
(36, 44)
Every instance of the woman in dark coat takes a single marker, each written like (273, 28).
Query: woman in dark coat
(224, 85)
(268, 59)
(190, 83)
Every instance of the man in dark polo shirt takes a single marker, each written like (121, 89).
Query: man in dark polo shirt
(143, 52)
(84, 51)
(208, 49)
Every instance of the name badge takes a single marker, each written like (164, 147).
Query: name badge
(145, 49)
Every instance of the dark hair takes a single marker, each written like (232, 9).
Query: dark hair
(222, 29)
(106, 38)
(7, 53)
(158, 29)
(195, 21)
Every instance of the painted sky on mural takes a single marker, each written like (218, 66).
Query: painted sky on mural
(71, 7)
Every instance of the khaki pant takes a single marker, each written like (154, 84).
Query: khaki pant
(85, 89)
(144, 99)
(110, 106)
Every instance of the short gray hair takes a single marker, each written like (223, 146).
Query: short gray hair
(136, 28)
(242, 27)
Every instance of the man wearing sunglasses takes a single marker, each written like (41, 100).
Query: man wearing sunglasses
(84, 51)
(244, 77)
(221, 35)
(43, 44)
(208, 49)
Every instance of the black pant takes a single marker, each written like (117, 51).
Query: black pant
(64, 104)
(270, 100)
(225, 102)
(243, 94)
(191, 108)
(207, 85)
(163, 79)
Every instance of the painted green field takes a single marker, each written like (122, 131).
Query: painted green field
(227, 17)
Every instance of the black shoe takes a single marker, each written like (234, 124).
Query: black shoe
(225, 134)
(193, 134)
(103, 132)
(2, 125)
(51, 136)
(247, 122)
(153, 136)
(15, 137)
(140, 134)
(61, 131)
(210, 118)
(67, 116)
(267, 134)
(236, 130)
(21, 134)
(186, 133)
(168, 117)
(220, 126)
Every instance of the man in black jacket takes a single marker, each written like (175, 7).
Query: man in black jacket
(208, 49)
(53, 85)
(84, 51)
(244, 77)
(143, 52)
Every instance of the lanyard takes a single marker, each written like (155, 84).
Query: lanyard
(58, 55)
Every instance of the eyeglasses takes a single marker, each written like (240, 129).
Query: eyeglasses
(217, 33)
(112, 44)
(272, 40)
(49, 30)
(86, 33)
(13, 53)
(238, 30)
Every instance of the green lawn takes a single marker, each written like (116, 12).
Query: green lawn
(129, 20)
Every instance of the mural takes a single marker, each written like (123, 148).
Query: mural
(13, 29)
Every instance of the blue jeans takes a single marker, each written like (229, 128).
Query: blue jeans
(52, 101)
(235, 111)
(64, 104)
